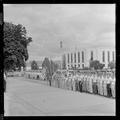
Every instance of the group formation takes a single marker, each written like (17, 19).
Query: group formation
(93, 82)
(34, 75)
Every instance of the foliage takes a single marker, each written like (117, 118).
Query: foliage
(50, 67)
(34, 65)
(96, 65)
(15, 46)
(111, 65)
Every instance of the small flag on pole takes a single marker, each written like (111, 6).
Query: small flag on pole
(60, 44)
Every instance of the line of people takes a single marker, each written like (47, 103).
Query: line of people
(94, 83)
(101, 83)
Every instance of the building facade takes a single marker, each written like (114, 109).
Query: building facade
(80, 58)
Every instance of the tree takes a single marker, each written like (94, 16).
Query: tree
(96, 65)
(50, 67)
(34, 65)
(111, 65)
(54, 67)
(46, 65)
(15, 46)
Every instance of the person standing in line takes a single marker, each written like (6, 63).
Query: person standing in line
(93, 83)
(98, 82)
(79, 83)
(90, 83)
(69, 82)
(76, 83)
(89, 78)
(114, 79)
(100, 79)
(66, 86)
(83, 87)
(56, 79)
(73, 82)
(63, 82)
(113, 88)
(84, 77)
(111, 84)
(66, 81)
(87, 83)
(82, 84)
(108, 85)
(86, 80)
(105, 84)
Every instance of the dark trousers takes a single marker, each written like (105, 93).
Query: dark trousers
(80, 86)
(109, 91)
(95, 88)
(76, 86)
(50, 82)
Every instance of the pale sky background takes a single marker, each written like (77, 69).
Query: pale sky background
(77, 25)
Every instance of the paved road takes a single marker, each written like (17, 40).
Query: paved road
(27, 97)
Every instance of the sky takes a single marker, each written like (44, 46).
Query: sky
(76, 25)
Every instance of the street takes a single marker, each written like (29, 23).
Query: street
(28, 97)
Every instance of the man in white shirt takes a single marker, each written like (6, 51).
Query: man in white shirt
(98, 82)
(101, 84)
(90, 82)
(112, 82)
(105, 84)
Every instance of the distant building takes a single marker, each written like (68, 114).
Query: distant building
(80, 58)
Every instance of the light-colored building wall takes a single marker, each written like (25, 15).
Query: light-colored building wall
(97, 55)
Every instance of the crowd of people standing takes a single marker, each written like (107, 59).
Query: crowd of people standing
(94, 82)
(88, 81)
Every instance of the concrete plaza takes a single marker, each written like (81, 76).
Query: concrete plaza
(28, 97)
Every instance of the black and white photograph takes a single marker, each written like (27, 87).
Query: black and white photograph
(59, 59)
